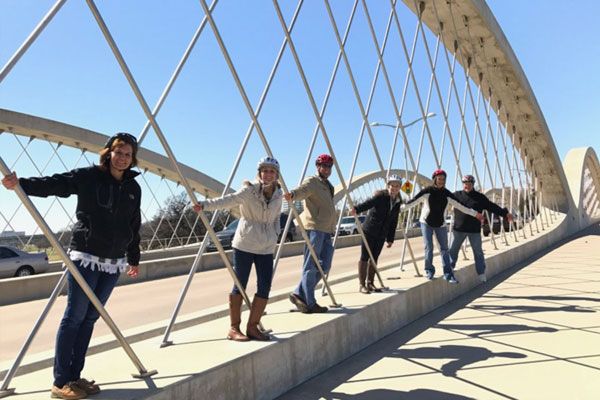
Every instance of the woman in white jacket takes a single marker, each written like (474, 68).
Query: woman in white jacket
(254, 242)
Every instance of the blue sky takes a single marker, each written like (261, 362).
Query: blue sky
(69, 75)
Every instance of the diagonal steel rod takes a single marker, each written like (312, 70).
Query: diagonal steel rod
(260, 132)
(204, 243)
(30, 39)
(76, 275)
(167, 148)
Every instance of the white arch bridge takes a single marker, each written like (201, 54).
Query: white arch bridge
(295, 82)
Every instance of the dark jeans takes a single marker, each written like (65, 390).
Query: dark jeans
(375, 244)
(243, 260)
(77, 324)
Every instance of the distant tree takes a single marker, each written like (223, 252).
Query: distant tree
(176, 224)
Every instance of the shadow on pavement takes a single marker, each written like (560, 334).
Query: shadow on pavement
(462, 355)
(387, 394)
(490, 329)
(323, 385)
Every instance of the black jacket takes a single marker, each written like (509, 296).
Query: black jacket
(382, 217)
(477, 201)
(108, 210)
(435, 202)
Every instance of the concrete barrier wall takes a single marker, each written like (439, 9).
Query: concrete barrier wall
(271, 371)
(174, 263)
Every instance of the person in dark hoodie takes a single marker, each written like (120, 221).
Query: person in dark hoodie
(379, 228)
(105, 240)
(466, 226)
(435, 199)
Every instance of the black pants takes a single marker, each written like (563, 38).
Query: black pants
(375, 244)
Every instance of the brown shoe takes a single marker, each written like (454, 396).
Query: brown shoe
(258, 308)
(297, 301)
(362, 276)
(88, 387)
(69, 391)
(371, 278)
(235, 317)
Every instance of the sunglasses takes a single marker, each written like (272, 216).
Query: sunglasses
(125, 137)
(326, 165)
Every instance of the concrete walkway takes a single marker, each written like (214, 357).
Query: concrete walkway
(532, 332)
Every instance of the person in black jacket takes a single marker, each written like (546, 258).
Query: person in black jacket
(466, 226)
(379, 228)
(435, 199)
(105, 240)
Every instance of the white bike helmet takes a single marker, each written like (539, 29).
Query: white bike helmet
(268, 162)
(394, 178)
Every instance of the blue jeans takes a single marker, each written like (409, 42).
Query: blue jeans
(442, 237)
(242, 264)
(321, 243)
(475, 239)
(77, 324)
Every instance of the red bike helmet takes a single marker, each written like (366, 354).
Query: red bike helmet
(324, 159)
(438, 172)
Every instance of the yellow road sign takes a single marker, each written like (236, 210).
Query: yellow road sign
(407, 187)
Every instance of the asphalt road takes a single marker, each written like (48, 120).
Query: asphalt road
(147, 302)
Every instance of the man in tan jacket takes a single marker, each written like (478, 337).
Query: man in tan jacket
(319, 220)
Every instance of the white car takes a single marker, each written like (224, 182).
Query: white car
(348, 225)
(15, 262)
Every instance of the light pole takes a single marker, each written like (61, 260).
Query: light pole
(402, 128)
(407, 125)
(396, 127)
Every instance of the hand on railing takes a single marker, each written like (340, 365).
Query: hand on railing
(10, 181)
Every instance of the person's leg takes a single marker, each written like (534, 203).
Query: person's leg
(376, 245)
(363, 264)
(475, 240)
(104, 287)
(457, 240)
(325, 256)
(68, 330)
(242, 263)
(427, 232)
(441, 235)
(264, 274)
(306, 263)
(308, 281)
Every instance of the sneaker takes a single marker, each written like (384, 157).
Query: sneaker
(450, 278)
(297, 301)
(482, 278)
(429, 275)
(317, 309)
(89, 387)
(69, 391)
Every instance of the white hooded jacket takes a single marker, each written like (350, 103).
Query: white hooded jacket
(259, 226)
